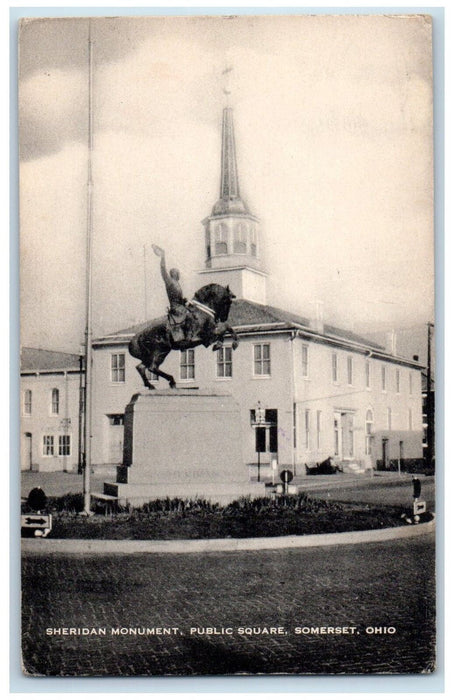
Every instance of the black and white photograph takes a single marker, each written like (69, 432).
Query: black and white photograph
(227, 354)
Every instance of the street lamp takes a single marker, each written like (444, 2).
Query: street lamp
(259, 422)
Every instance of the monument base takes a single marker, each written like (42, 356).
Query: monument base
(138, 494)
(182, 444)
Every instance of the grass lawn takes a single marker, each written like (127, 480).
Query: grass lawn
(178, 519)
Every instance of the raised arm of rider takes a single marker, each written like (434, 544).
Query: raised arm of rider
(164, 273)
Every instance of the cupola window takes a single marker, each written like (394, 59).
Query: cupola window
(253, 240)
(240, 240)
(220, 245)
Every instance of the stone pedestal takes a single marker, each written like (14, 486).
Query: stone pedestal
(185, 444)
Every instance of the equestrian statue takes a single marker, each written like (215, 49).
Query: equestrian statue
(200, 321)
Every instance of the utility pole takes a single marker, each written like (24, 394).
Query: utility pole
(89, 276)
(430, 407)
(80, 459)
(145, 285)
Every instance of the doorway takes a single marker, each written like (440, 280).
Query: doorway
(343, 435)
(115, 438)
(26, 452)
(385, 452)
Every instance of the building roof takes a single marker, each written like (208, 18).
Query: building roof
(256, 317)
(39, 360)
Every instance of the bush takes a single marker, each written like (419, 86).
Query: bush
(176, 518)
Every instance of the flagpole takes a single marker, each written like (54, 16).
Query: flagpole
(88, 292)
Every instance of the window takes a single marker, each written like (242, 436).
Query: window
(334, 366)
(48, 445)
(349, 370)
(390, 418)
(306, 428)
(319, 427)
(305, 358)
(116, 419)
(410, 383)
(27, 402)
(220, 239)
(410, 419)
(367, 368)
(64, 445)
(253, 240)
(117, 367)
(369, 430)
(262, 360)
(55, 402)
(383, 378)
(224, 362)
(208, 243)
(187, 364)
(240, 238)
(397, 381)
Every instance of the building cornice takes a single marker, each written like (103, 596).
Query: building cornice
(283, 328)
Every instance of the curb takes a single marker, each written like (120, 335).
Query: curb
(44, 546)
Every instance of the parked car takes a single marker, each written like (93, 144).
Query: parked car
(328, 466)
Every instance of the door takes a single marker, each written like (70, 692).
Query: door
(385, 453)
(115, 443)
(343, 435)
(347, 435)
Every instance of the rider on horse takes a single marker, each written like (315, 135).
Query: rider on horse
(179, 315)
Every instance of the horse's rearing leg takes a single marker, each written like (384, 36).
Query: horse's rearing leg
(157, 358)
(142, 370)
(164, 375)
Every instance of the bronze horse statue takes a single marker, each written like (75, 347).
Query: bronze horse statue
(205, 324)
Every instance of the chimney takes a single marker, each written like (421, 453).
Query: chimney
(391, 342)
(317, 323)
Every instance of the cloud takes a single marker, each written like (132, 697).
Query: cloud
(333, 132)
(53, 111)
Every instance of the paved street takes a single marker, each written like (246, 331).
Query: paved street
(388, 584)
(378, 490)
(61, 483)
(386, 494)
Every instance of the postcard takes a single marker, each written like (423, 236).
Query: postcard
(227, 345)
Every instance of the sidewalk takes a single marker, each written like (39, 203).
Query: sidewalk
(375, 480)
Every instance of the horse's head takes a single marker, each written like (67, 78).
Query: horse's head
(218, 298)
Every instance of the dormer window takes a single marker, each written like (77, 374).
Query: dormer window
(253, 240)
(220, 239)
(240, 238)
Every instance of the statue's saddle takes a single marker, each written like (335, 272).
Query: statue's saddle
(179, 319)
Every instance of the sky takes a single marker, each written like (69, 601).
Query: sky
(333, 125)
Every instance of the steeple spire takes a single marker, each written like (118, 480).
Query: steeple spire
(230, 201)
(229, 171)
(232, 234)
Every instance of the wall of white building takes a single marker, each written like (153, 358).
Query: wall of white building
(300, 391)
(49, 431)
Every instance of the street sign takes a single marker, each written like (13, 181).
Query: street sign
(419, 507)
(286, 476)
(41, 523)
